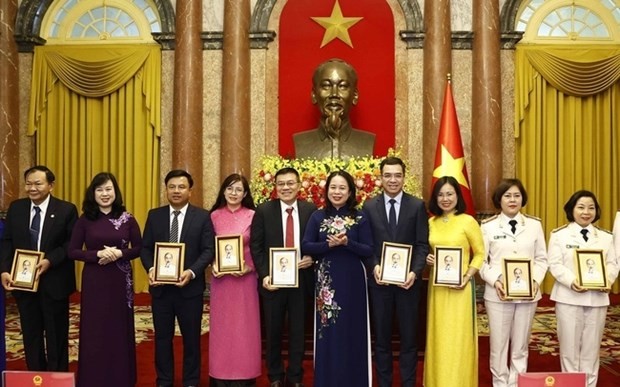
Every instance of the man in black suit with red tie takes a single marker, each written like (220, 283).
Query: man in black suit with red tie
(42, 222)
(184, 223)
(396, 217)
(269, 229)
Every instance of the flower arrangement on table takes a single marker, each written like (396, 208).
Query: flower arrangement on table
(313, 174)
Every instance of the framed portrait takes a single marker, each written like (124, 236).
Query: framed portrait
(23, 272)
(517, 278)
(590, 267)
(229, 253)
(283, 267)
(169, 261)
(395, 262)
(448, 267)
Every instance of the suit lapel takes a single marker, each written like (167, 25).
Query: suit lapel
(277, 217)
(382, 213)
(48, 222)
(189, 216)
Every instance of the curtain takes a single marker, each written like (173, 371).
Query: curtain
(97, 108)
(567, 129)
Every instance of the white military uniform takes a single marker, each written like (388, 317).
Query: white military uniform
(510, 320)
(581, 316)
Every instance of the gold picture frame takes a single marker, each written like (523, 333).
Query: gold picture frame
(229, 254)
(395, 262)
(517, 278)
(24, 272)
(591, 270)
(169, 262)
(283, 267)
(448, 268)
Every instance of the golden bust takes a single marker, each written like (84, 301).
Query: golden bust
(334, 91)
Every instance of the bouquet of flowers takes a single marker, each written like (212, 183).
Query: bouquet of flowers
(313, 174)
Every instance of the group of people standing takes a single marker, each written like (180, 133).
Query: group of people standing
(339, 269)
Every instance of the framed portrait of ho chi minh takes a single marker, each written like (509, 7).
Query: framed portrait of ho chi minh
(517, 278)
(448, 267)
(590, 269)
(283, 267)
(23, 271)
(395, 262)
(169, 261)
(229, 254)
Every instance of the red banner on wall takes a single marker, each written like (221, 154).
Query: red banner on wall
(371, 53)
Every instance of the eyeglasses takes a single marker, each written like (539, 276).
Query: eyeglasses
(389, 176)
(234, 189)
(290, 183)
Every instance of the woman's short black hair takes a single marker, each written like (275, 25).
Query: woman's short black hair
(90, 206)
(433, 206)
(504, 186)
(351, 203)
(569, 207)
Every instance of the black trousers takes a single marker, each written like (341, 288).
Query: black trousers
(277, 306)
(387, 302)
(166, 308)
(45, 325)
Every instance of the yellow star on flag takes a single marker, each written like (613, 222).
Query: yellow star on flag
(451, 167)
(336, 26)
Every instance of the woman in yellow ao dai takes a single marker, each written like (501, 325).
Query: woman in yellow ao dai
(451, 357)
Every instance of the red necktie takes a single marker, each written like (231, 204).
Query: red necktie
(289, 240)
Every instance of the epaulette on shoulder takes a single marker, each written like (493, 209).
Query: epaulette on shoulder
(560, 228)
(489, 219)
(602, 229)
(532, 217)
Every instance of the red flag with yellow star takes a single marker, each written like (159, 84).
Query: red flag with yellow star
(449, 156)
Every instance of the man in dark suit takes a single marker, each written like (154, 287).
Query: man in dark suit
(42, 222)
(269, 229)
(184, 223)
(396, 217)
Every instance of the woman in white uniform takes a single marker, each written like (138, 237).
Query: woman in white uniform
(510, 234)
(580, 312)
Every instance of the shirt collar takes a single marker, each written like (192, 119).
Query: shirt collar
(183, 210)
(398, 198)
(43, 206)
(284, 206)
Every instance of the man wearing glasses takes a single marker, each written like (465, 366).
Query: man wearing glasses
(281, 223)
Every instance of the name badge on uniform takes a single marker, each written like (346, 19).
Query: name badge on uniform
(572, 246)
(499, 237)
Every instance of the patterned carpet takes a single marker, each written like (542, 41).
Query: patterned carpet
(143, 321)
(543, 342)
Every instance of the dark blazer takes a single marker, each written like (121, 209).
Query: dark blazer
(267, 232)
(59, 280)
(412, 229)
(197, 234)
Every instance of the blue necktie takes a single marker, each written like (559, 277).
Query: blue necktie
(392, 217)
(35, 227)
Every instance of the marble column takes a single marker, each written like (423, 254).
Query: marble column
(235, 126)
(187, 102)
(437, 64)
(486, 147)
(9, 106)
